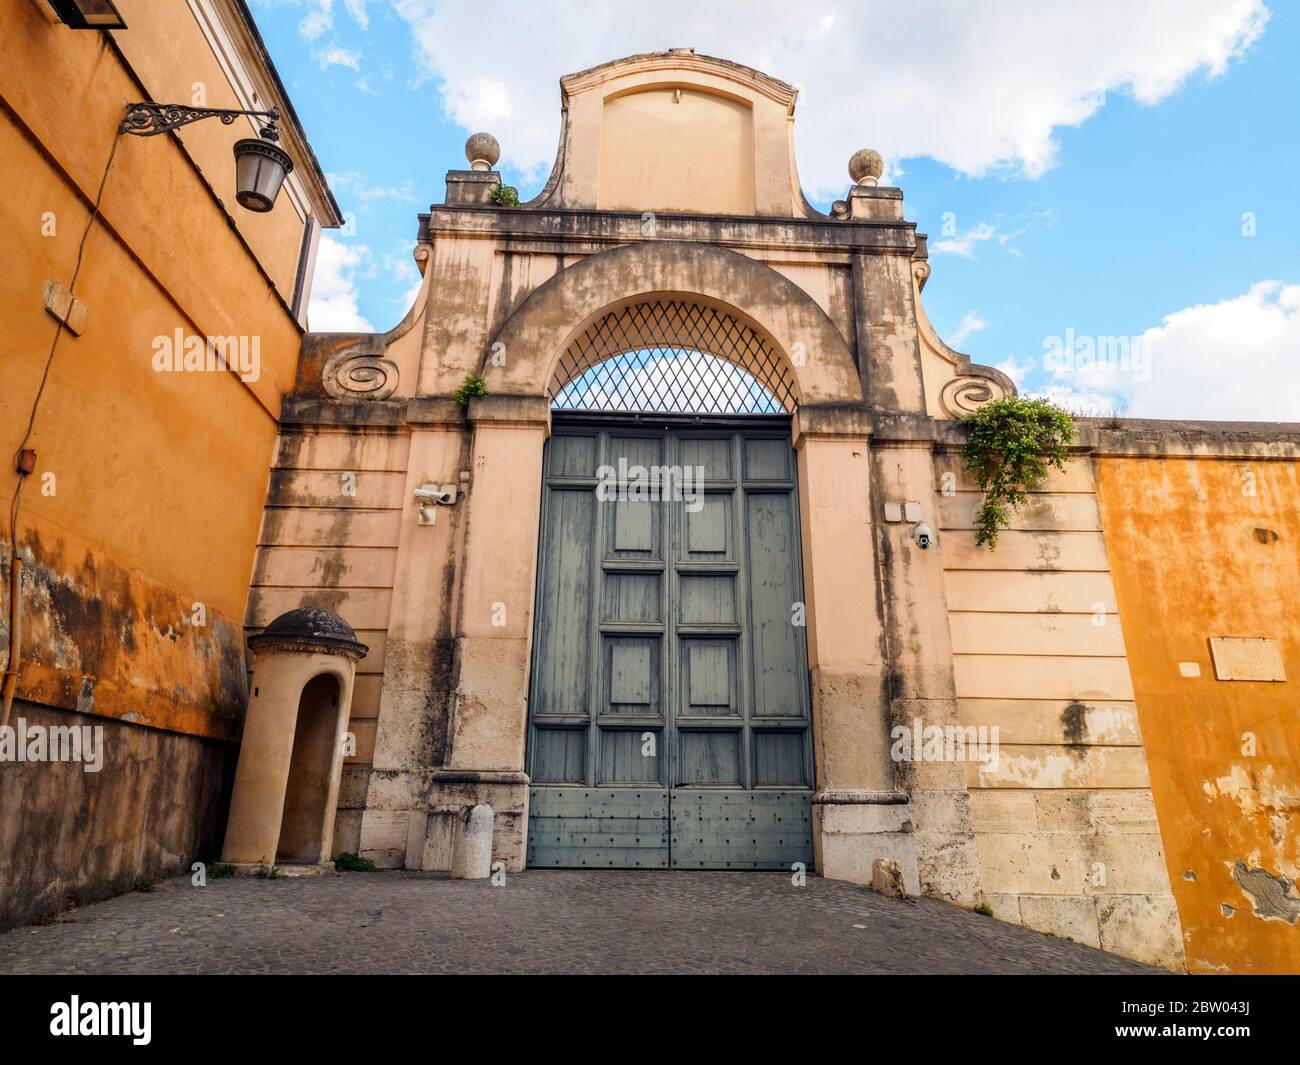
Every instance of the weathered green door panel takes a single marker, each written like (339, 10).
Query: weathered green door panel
(733, 829)
(559, 755)
(623, 828)
(669, 674)
(564, 584)
(780, 684)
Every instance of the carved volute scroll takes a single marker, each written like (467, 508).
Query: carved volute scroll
(360, 372)
(964, 395)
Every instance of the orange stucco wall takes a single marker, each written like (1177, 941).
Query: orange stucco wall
(1194, 556)
(147, 494)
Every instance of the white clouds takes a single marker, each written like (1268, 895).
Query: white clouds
(317, 20)
(1082, 402)
(357, 9)
(963, 244)
(1235, 360)
(356, 185)
(334, 56)
(334, 294)
(1015, 369)
(979, 87)
(971, 323)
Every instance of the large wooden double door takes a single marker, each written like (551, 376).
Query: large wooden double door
(668, 712)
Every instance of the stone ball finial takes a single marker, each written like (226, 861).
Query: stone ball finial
(865, 166)
(482, 151)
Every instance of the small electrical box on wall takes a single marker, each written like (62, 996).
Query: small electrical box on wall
(910, 511)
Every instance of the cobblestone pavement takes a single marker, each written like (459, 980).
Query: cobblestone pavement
(541, 921)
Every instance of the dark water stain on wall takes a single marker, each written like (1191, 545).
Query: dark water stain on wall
(69, 837)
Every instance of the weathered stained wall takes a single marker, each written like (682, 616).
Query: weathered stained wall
(1065, 824)
(156, 477)
(69, 837)
(1200, 548)
(138, 526)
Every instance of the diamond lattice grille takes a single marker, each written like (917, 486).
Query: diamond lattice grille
(669, 358)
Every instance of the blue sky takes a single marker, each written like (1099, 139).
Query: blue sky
(1131, 172)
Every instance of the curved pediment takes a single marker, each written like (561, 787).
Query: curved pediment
(676, 132)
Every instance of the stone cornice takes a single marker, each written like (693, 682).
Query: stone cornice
(677, 61)
(579, 232)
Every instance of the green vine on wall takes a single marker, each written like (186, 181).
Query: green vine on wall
(505, 196)
(1012, 444)
(473, 385)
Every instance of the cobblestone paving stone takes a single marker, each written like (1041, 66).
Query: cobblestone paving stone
(541, 921)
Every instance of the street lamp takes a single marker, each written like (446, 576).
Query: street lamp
(261, 165)
(88, 14)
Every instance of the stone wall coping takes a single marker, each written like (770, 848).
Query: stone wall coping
(1160, 438)
(578, 229)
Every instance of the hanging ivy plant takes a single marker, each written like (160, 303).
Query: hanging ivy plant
(505, 196)
(473, 385)
(1012, 444)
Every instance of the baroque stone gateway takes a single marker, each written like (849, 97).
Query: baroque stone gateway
(635, 684)
(644, 540)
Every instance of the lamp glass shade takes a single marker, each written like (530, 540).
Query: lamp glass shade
(88, 14)
(260, 169)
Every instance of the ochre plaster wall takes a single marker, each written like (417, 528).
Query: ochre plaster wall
(1203, 548)
(141, 518)
(157, 478)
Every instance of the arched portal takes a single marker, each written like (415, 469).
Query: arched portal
(595, 629)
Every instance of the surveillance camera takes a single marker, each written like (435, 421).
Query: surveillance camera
(428, 497)
(431, 493)
(922, 535)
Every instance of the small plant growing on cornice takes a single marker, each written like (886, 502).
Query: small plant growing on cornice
(985, 909)
(505, 196)
(1012, 444)
(352, 862)
(473, 385)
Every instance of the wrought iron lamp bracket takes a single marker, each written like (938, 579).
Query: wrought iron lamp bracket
(150, 119)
